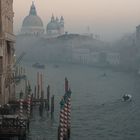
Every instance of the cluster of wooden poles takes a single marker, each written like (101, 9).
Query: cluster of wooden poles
(40, 98)
(65, 114)
(38, 90)
(37, 98)
(47, 104)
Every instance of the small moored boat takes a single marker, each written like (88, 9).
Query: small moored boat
(38, 65)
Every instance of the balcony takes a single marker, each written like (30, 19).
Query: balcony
(10, 37)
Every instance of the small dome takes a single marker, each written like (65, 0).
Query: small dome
(32, 20)
(53, 26)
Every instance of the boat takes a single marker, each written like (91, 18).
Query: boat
(56, 66)
(38, 65)
(127, 97)
(104, 75)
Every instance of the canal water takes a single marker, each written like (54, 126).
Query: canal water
(98, 112)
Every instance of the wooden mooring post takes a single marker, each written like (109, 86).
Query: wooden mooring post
(52, 107)
(48, 98)
(38, 86)
(35, 95)
(69, 112)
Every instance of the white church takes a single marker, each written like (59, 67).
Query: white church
(33, 25)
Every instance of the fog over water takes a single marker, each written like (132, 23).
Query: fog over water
(97, 108)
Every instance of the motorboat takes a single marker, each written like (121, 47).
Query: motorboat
(127, 97)
(104, 75)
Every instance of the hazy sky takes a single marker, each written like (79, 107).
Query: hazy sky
(108, 18)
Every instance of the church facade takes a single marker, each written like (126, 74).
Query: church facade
(33, 25)
(7, 50)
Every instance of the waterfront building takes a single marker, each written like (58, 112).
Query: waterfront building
(113, 58)
(94, 57)
(7, 40)
(80, 55)
(98, 58)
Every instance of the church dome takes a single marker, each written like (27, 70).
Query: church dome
(55, 27)
(32, 20)
(32, 24)
(53, 24)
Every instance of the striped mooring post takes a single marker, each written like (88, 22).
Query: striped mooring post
(65, 115)
(29, 105)
(68, 106)
(69, 112)
(65, 121)
(21, 104)
(68, 94)
(61, 121)
(21, 107)
(29, 101)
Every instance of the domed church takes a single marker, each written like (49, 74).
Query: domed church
(33, 25)
(55, 27)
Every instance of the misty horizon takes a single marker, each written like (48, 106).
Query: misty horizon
(110, 20)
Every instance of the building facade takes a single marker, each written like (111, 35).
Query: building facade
(80, 55)
(113, 58)
(7, 40)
